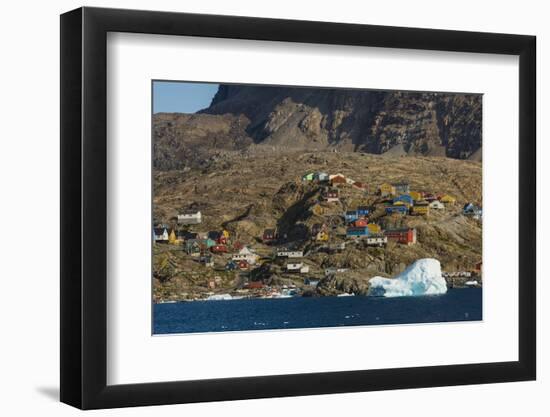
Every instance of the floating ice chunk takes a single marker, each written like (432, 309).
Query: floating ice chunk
(219, 297)
(423, 277)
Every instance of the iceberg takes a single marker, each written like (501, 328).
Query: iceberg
(219, 297)
(423, 277)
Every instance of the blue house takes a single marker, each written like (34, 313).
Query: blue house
(351, 216)
(362, 210)
(404, 198)
(357, 231)
(230, 266)
(397, 209)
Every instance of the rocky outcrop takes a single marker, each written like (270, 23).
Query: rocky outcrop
(379, 122)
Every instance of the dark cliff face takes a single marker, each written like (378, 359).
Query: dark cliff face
(378, 122)
(440, 124)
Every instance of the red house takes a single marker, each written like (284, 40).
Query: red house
(219, 249)
(361, 222)
(269, 235)
(404, 236)
(243, 264)
(338, 180)
(222, 240)
(254, 285)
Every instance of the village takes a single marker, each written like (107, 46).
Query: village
(366, 220)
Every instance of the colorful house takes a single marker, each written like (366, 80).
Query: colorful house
(242, 264)
(421, 208)
(269, 235)
(402, 188)
(337, 180)
(351, 216)
(429, 197)
(190, 217)
(218, 249)
(405, 236)
(206, 260)
(357, 231)
(247, 255)
(374, 228)
(193, 247)
(447, 199)
(437, 205)
(321, 176)
(404, 198)
(361, 223)
(401, 209)
(416, 196)
(377, 240)
(308, 177)
(360, 185)
(331, 195)
(386, 190)
(160, 234)
(363, 210)
(230, 266)
(318, 210)
(173, 238)
(297, 267)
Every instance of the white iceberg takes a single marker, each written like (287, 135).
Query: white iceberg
(219, 297)
(423, 277)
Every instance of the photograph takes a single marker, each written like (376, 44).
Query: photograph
(289, 207)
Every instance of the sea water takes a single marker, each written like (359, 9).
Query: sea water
(309, 312)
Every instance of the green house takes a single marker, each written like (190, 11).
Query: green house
(308, 177)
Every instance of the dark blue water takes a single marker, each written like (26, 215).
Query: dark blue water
(303, 312)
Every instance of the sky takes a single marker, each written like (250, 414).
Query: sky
(181, 97)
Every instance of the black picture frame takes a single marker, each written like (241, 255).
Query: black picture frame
(84, 207)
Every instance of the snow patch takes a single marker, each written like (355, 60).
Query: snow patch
(423, 277)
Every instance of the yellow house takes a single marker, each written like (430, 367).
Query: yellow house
(225, 234)
(416, 196)
(401, 203)
(317, 210)
(172, 238)
(322, 236)
(421, 210)
(386, 190)
(447, 199)
(374, 228)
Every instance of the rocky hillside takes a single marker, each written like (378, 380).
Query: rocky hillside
(248, 192)
(378, 122)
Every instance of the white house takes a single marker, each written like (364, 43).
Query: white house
(283, 253)
(438, 205)
(247, 255)
(160, 234)
(297, 267)
(377, 240)
(332, 270)
(190, 217)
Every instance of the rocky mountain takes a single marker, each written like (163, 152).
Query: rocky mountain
(378, 122)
